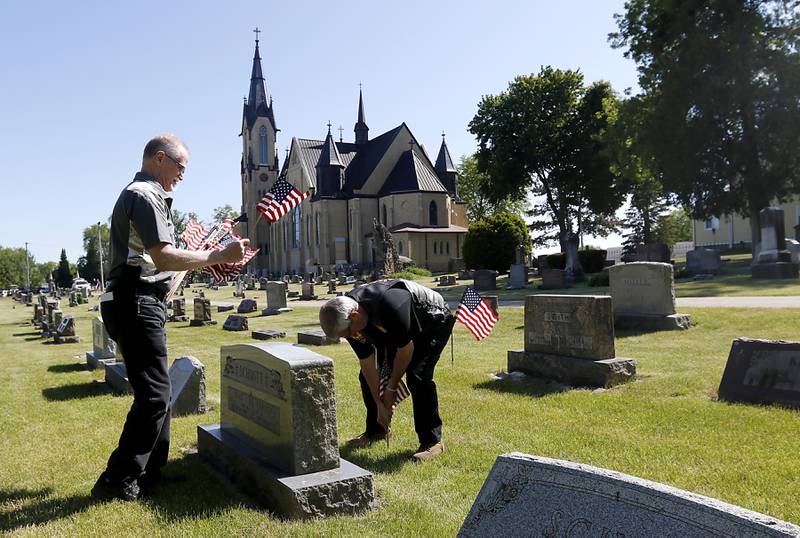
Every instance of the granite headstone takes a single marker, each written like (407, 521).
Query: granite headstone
(104, 349)
(762, 372)
(188, 379)
(643, 294)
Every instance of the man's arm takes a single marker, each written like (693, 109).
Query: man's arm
(168, 258)
(402, 359)
(370, 371)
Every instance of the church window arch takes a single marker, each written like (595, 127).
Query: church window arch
(263, 155)
(447, 246)
(317, 228)
(385, 222)
(433, 217)
(296, 226)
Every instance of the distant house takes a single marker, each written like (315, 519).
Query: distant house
(733, 229)
(389, 177)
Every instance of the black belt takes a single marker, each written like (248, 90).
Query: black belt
(139, 288)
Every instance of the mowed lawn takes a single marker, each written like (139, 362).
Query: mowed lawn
(59, 424)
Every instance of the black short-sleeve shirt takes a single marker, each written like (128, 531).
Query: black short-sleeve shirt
(395, 313)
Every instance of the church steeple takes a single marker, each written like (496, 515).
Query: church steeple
(258, 103)
(361, 129)
(445, 170)
(329, 167)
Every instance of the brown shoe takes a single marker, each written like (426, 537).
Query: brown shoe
(425, 454)
(366, 439)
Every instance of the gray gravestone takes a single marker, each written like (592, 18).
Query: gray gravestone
(277, 435)
(247, 306)
(188, 379)
(73, 298)
(652, 252)
(447, 280)
(572, 262)
(276, 299)
(307, 293)
(518, 276)
(293, 293)
(643, 294)
(117, 378)
(224, 307)
(485, 280)
(104, 349)
(315, 337)
(703, 261)
(331, 286)
(762, 372)
(179, 310)
(202, 313)
(65, 331)
(570, 339)
(531, 496)
(553, 279)
(773, 260)
(267, 334)
(235, 323)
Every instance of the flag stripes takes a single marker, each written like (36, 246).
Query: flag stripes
(402, 390)
(280, 199)
(476, 314)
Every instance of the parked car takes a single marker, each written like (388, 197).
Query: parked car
(78, 284)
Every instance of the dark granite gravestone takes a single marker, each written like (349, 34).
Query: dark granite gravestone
(277, 435)
(553, 279)
(652, 252)
(179, 310)
(104, 349)
(202, 313)
(295, 279)
(532, 496)
(307, 293)
(292, 294)
(773, 260)
(703, 261)
(315, 337)
(570, 339)
(188, 379)
(224, 307)
(247, 306)
(643, 294)
(235, 323)
(466, 275)
(73, 298)
(276, 299)
(331, 286)
(262, 284)
(65, 331)
(267, 334)
(762, 372)
(37, 314)
(485, 280)
(572, 262)
(58, 315)
(117, 378)
(447, 280)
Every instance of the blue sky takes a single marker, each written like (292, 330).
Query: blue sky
(85, 84)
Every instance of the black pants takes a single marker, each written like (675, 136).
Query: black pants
(136, 324)
(419, 378)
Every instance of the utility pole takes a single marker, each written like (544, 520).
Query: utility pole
(100, 249)
(27, 267)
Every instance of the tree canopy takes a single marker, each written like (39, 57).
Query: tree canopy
(89, 263)
(64, 274)
(472, 188)
(492, 243)
(722, 78)
(545, 135)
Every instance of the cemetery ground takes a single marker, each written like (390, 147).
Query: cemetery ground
(60, 423)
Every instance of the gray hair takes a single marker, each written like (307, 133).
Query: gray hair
(166, 142)
(334, 315)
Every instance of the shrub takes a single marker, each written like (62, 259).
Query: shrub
(592, 259)
(406, 275)
(492, 243)
(419, 271)
(599, 279)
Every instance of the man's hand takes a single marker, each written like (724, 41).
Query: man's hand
(384, 417)
(389, 398)
(234, 252)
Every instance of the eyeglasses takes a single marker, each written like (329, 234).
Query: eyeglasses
(181, 168)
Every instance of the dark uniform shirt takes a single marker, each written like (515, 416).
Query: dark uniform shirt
(406, 310)
(142, 219)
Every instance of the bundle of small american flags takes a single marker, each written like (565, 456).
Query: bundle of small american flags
(402, 391)
(197, 237)
(280, 199)
(476, 314)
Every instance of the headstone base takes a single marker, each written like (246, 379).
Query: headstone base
(178, 318)
(346, 490)
(308, 298)
(95, 361)
(267, 334)
(117, 378)
(777, 270)
(224, 307)
(572, 371)
(66, 339)
(202, 323)
(674, 322)
(315, 337)
(275, 311)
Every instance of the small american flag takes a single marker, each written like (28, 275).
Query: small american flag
(402, 391)
(475, 312)
(222, 271)
(193, 235)
(280, 199)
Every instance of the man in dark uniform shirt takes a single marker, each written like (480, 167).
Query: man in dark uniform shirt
(144, 261)
(406, 325)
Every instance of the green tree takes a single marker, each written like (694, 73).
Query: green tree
(545, 135)
(472, 187)
(224, 212)
(89, 263)
(673, 227)
(180, 220)
(64, 276)
(43, 273)
(12, 267)
(492, 243)
(723, 81)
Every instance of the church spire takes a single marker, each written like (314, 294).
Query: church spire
(258, 102)
(361, 129)
(445, 170)
(330, 170)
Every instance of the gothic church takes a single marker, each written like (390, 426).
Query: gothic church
(389, 177)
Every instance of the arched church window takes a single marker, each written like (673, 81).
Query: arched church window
(434, 248)
(400, 247)
(296, 226)
(433, 217)
(317, 228)
(447, 246)
(385, 222)
(263, 155)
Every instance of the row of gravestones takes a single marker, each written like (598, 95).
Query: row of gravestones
(50, 319)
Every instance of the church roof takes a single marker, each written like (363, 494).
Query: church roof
(310, 151)
(329, 155)
(443, 162)
(412, 173)
(258, 103)
(367, 158)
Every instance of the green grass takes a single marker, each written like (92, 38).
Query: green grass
(59, 425)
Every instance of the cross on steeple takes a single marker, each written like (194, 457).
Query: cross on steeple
(329, 126)
(257, 31)
(340, 133)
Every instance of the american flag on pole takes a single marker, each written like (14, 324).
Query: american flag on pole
(402, 391)
(280, 199)
(475, 312)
